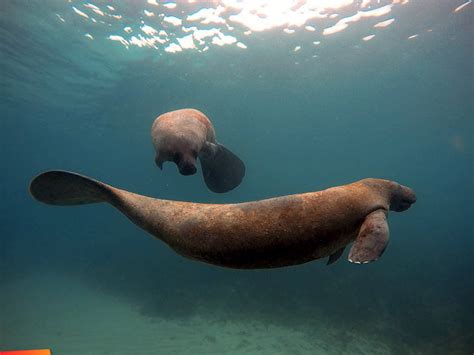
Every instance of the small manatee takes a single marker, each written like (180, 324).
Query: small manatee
(183, 136)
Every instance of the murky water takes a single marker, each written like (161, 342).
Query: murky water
(310, 95)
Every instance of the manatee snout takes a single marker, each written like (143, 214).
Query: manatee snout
(186, 163)
(402, 198)
(187, 169)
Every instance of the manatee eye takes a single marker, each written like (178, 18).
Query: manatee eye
(177, 157)
(194, 153)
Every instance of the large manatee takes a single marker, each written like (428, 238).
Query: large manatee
(270, 233)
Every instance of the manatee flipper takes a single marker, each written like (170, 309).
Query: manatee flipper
(335, 256)
(65, 188)
(222, 169)
(371, 240)
(159, 162)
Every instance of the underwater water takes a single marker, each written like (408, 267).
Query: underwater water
(309, 94)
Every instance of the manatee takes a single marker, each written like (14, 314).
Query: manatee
(184, 135)
(270, 233)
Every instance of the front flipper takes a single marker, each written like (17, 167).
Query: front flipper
(222, 169)
(371, 240)
(335, 256)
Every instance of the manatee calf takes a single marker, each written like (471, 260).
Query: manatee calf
(184, 135)
(270, 233)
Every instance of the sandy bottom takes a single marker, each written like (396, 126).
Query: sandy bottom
(49, 310)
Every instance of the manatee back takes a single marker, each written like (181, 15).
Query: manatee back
(184, 122)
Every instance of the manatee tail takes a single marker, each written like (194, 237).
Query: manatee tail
(65, 188)
(222, 170)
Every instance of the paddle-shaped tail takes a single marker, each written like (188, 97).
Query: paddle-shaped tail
(64, 188)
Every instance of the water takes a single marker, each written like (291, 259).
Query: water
(303, 117)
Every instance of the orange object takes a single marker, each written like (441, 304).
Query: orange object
(27, 352)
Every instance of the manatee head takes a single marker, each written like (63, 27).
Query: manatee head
(397, 197)
(182, 150)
